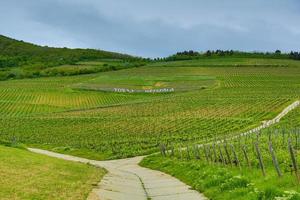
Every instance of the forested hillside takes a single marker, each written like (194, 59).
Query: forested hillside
(14, 53)
(19, 59)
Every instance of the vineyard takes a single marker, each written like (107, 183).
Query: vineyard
(141, 100)
(260, 165)
(69, 114)
(147, 78)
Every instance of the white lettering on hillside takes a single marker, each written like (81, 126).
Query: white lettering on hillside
(162, 90)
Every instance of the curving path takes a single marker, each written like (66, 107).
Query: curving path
(126, 180)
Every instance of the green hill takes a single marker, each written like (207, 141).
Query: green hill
(19, 59)
(14, 53)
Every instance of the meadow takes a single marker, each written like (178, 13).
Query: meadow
(26, 175)
(211, 98)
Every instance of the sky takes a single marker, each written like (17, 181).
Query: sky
(155, 28)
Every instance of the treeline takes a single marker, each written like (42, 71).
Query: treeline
(14, 53)
(189, 55)
(295, 55)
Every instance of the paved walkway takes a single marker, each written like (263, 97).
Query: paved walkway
(126, 180)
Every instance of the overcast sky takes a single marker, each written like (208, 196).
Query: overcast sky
(153, 28)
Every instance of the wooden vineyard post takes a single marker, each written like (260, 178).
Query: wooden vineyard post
(181, 154)
(235, 157)
(261, 164)
(199, 149)
(162, 150)
(215, 153)
(209, 153)
(172, 151)
(188, 153)
(246, 156)
(165, 150)
(196, 152)
(221, 155)
(227, 154)
(291, 150)
(253, 145)
(205, 153)
(274, 159)
(168, 152)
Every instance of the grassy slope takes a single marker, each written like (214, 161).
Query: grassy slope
(105, 125)
(20, 53)
(20, 59)
(25, 175)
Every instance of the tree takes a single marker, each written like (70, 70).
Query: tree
(208, 53)
(278, 51)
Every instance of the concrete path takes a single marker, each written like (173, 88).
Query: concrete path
(126, 180)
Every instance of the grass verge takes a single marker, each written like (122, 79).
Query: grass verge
(218, 182)
(26, 175)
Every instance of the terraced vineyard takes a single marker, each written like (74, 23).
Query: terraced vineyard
(57, 114)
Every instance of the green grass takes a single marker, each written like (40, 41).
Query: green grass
(223, 183)
(26, 175)
(57, 114)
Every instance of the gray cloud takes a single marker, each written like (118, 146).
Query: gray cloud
(157, 27)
